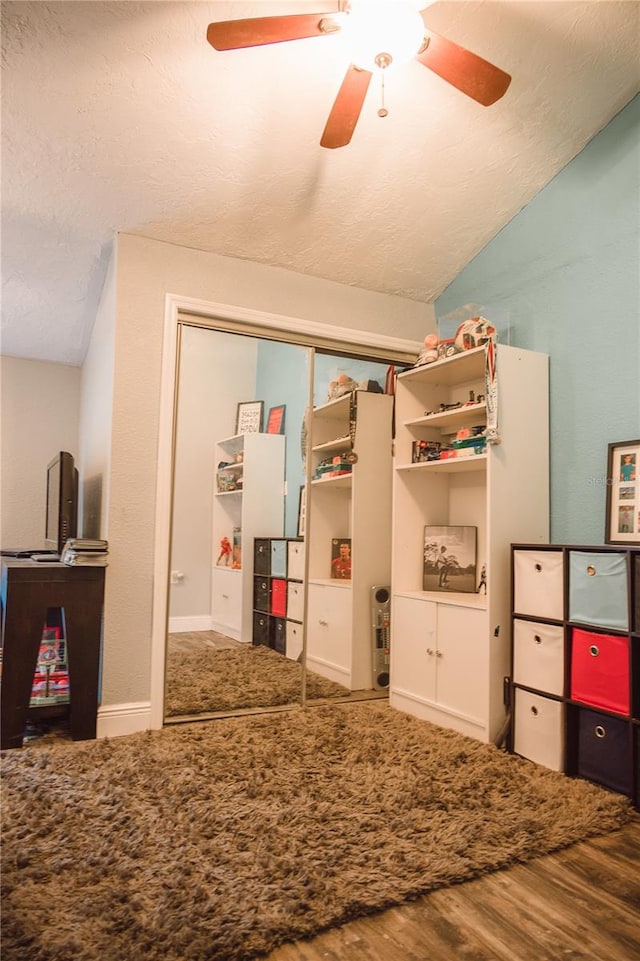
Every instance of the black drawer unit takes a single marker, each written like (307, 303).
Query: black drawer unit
(262, 594)
(279, 634)
(262, 555)
(261, 624)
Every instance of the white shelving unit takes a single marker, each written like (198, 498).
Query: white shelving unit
(256, 509)
(356, 505)
(450, 650)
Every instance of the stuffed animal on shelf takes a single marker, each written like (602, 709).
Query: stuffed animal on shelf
(340, 386)
(345, 385)
(429, 352)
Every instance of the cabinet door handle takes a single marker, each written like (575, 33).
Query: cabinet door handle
(226, 597)
(430, 651)
(323, 623)
(438, 653)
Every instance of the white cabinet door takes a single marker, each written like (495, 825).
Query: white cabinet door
(413, 647)
(462, 668)
(226, 601)
(295, 601)
(439, 655)
(329, 631)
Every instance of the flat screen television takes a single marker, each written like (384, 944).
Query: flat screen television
(62, 501)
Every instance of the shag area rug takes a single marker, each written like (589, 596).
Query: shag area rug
(219, 841)
(208, 680)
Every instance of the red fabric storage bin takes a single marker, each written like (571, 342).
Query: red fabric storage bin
(600, 670)
(279, 597)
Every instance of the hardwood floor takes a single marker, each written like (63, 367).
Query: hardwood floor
(580, 904)
(201, 640)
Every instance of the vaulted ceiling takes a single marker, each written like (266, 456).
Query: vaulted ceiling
(119, 116)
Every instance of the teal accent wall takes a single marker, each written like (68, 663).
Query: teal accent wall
(329, 367)
(566, 272)
(283, 378)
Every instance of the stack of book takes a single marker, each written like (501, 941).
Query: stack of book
(85, 552)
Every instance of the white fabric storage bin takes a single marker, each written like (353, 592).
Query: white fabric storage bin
(538, 656)
(295, 600)
(295, 562)
(539, 729)
(539, 583)
(294, 640)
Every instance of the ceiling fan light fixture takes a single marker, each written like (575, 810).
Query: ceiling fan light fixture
(384, 34)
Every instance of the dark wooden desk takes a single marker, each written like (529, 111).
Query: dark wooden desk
(28, 589)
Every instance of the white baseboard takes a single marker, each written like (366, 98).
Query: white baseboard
(180, 625)
(114, 720)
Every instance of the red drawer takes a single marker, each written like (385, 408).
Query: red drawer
(600, 670)
(279, 597)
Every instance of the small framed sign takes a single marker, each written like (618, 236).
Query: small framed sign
(249, 417)
(623, 493)
(302, 511)
(275, 420)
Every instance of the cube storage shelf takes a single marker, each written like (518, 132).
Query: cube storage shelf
(576, 661)
(278, 594)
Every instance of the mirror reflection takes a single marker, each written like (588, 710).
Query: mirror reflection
(280, 526)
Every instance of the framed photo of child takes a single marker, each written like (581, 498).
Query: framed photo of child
(622, 524)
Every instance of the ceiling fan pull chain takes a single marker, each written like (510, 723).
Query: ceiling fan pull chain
(382, 112)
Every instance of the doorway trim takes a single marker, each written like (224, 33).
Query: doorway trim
(178, 310)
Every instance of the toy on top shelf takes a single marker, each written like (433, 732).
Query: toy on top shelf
(474, 333)
(471, 333)
(343, 384)
(429, 352)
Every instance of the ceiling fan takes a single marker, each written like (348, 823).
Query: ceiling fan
(383, 34)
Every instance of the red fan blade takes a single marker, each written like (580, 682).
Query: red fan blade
(233, 34)
(346, 108)
(474, 76)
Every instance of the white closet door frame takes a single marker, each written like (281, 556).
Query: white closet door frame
(184, 310)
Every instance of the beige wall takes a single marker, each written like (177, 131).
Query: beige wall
(216, 369)
(146, 272)
(40, 405)
(95, 414)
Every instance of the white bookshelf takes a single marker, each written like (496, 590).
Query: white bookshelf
(450, 649)
(256, 509)
(356, 506)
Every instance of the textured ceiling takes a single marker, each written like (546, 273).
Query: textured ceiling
(121, 117)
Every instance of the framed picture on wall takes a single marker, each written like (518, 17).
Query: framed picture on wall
(249, 417)
(302, 511)
(275, 420)
(622, 525)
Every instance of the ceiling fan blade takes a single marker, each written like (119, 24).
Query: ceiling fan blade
(346, 108)
(233, 34)
(478, 78)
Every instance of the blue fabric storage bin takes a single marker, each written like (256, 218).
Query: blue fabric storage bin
(603, 751)
(278, 558)
(598, 591)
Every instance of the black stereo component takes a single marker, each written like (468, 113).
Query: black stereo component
(380, 636)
